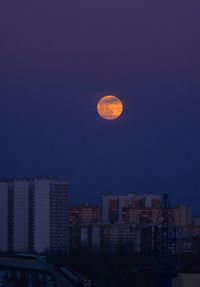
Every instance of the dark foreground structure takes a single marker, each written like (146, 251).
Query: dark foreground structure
(165, 246)
(63, 276)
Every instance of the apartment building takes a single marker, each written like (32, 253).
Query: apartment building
(34, 215)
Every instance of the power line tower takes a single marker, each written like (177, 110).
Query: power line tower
(165, 245)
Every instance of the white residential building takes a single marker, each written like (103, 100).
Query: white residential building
(50, 215)
(41, 215)
(20, 215)
(3, 216)
(34, 215)
(113, 205)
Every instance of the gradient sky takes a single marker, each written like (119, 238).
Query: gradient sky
(57, 58)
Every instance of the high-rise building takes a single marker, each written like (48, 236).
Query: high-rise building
(78, 216)
(113, 205)
(183, 215)
(3, 215)
(84, 214)
(140, 216)
(20, 214)
(196, 220)
(34, 215)
(144, 216)
(152, 200)
(50, 218)
(110, 238)
(110, 208)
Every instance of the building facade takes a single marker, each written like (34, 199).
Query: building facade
(20, 215)
(4, 216)
(34, 215)
(79, 216)
(84, 214)
(110, 238)
(113, 206)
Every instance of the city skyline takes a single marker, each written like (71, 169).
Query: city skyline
(37, 223)
(36, 216)
(97, 202)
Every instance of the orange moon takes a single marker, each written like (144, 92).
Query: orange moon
(110, 107)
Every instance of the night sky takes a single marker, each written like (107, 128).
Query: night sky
(57, 58)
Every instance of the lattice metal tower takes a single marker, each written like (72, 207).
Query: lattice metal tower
(165, 245)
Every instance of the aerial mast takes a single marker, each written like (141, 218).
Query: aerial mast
(165, 244)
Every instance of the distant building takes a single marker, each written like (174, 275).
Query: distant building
(81, 215)
(4, 217)
(84, 214)
(110, 238)
(196, 221)
(50, 214)
(140, 216)
(187, 280)
(20, 212)
(34, 215)
(113, 205)
(183, 215)
(196, 226)
(149, 215)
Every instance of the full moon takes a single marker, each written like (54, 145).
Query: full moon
(110, 107)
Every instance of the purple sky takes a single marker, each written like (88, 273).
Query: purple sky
(57, 58)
